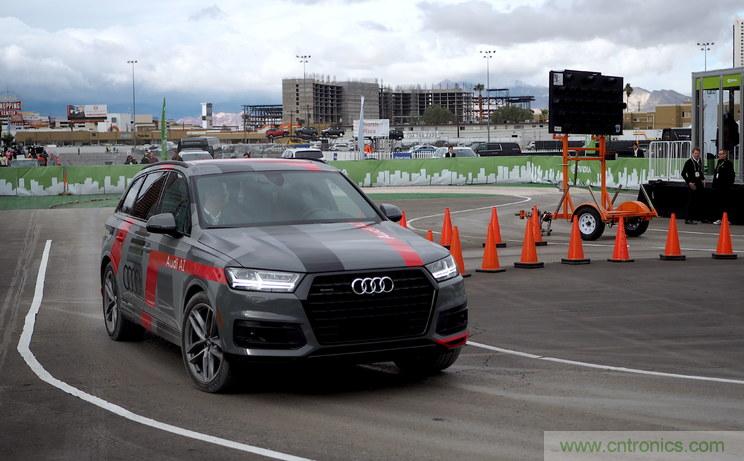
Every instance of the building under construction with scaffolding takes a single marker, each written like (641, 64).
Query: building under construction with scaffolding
(406, 105)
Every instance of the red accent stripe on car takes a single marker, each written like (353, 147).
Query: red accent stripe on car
(409, 255)
(159, 259)
(453, 342)
(120, 237)
(146, 321)
(306, 164)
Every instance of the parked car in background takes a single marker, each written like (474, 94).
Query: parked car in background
(489, 149)
(303, 152)
(276, 132)
(461, 152)
(342, 146)
(333, 132)
(395, 134)
(306, 132)
(206, 143)
(423, 151)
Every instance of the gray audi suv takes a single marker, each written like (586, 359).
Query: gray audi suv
(274, 259)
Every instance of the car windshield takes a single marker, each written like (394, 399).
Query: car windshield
(314, 154)
(464, 152)
(188, 156)
(269, 198)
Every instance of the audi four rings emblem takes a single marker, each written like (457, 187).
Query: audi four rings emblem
(372, 285)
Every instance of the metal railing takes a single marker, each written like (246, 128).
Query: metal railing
(666, 159)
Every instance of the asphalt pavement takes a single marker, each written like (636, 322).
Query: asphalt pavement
(681, 318)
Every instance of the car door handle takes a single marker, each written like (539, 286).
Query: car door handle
(120, 237)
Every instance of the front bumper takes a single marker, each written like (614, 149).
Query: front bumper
(267, 326)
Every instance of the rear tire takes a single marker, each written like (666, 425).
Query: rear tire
(591, 226)
(203, 355)
(428, 363)
(118, 327)
(635, 227)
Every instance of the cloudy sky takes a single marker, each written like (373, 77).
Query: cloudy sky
(236, 52)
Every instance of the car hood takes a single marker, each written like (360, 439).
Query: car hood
(324, 247)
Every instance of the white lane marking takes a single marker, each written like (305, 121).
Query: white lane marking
(24, 349)
(503, 205)
(604, 367)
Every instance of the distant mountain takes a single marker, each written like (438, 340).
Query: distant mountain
(218, 119)
(642, 100)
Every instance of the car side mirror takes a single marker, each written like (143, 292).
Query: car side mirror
(163, 223)
(392, 212)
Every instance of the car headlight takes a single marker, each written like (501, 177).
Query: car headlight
(261, 280)
(443, 269)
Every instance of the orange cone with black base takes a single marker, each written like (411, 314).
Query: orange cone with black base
(494, 223)
(490, 255)
(672, 251)
(403, 221)
(430, 235)
(575, 247)
(456, 251)
(724, 249)
(620, 253)
(529, 252)
(536, 228)
(446, 239)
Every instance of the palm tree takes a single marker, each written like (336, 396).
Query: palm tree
(479, 88)
(628, 91)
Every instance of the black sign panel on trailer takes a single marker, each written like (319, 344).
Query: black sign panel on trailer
(582, 102)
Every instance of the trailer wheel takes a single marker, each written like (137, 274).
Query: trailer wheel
(635, 227)
(591, 225)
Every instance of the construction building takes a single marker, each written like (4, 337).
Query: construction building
(406, 106)
(739, 43)
(320, 101)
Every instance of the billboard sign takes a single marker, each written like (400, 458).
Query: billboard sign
(82, 112)
(9, 108)
(374, 128)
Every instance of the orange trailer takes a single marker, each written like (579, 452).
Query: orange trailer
(594, 216)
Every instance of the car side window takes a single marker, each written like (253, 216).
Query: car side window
(126, 204)
(148, 195)
(175, 200)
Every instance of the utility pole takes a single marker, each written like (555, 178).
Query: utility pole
(488, 55)
(705, 47)
(134, 107)
(304, 59)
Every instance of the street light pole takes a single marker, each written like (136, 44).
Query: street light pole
(487, 55)
(134, 107)
(705, 48)
(304, 59)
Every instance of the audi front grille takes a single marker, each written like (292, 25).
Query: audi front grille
(338, 315)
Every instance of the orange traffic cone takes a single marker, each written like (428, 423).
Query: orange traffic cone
(529, 252)
(430, 235)
(403, 221)
(497, 229)
(724, 250)
(575, 247)
(446, 239)
(536, 228)
(456, 251)
(490, 255)
(620, 253)
(672, 251)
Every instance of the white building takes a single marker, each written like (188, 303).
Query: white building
(739, 43)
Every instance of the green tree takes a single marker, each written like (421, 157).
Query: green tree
(511, 114)
(438, 115)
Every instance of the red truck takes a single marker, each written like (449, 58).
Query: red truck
(276, 133)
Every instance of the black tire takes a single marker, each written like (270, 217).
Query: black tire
(428, 363)
(201, 347)
(635, 227)
(591, 226)
(117, 326)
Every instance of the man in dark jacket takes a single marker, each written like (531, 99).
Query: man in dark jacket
(694, 176)
(723, 179)
(637, 151)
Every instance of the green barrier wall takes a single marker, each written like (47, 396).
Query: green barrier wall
(110, 179)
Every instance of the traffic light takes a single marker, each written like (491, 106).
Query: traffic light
(585, 103)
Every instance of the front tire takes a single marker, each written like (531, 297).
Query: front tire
(591, 226)
(201, 347)
(117, 327)
(428, 363)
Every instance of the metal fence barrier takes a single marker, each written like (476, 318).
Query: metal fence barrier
(666, 159)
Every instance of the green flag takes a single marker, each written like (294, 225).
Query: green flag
(163, 134)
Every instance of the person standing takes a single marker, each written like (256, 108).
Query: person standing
(723, 178)
(637, 151)
(693, 174)
(450, 152)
